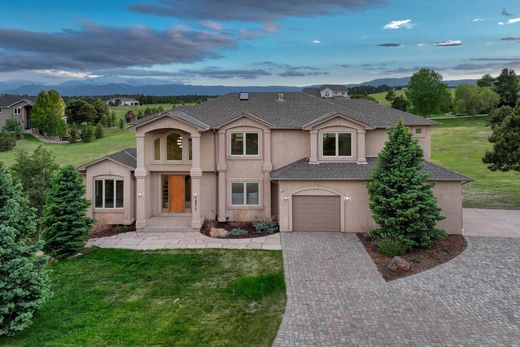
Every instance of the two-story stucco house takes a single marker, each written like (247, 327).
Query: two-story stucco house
(17, 107)
(302, 160)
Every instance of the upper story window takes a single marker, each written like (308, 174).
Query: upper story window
(337, 144)
(108, 193)
(245, 193)
(418, 131)
(157, 149)
(244, 143)
(17, 110)
(174, 147)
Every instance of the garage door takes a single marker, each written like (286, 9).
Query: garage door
(316, 213)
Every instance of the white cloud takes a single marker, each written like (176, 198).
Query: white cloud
(317, 42)
(510, 21)
(398, 24)
(212, 25)
(69, 74)
(481, 20)
(448, 43)
(421, 44)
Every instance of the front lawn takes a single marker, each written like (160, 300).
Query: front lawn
(112, 297)
(460, 144)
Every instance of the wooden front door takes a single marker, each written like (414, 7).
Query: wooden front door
(176, 194)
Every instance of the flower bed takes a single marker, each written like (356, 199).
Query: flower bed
(247, 227)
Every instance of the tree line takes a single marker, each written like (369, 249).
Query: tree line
(146, 99)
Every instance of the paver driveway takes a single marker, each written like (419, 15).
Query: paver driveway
(336, 296)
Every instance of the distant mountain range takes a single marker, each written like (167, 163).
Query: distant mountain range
(98, 86)
(403, 81)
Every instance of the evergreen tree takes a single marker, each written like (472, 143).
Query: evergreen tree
(486, 81)
(35, 172)
(390, 96)
(121, 124)
(401, 199)
(99, 131)
(48, 114)
(101, 109)
(24, 285)
(87, 133)
(505, 154)
(400, 103)
(507, 86)
(112, 119)
(65, 224)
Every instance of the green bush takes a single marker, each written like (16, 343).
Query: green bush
(119, 228)
(392, 247)
(14, 128)
(121, 124)
(73, 133)
(237, 232)
(87, 133)
(265, 227)
(7, 141)
(99, 131)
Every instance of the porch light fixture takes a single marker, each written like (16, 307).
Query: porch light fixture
(195, 194)
(347, 198)
(140, 195)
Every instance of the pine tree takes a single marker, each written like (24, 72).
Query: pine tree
(121, 124)
(65, 225)
(99, 131)
(401, 199)
(24, 284)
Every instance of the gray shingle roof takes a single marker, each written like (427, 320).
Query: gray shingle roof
(296, 110)
(334, 87)
(8, 100)
(302, 170)
(126, 157)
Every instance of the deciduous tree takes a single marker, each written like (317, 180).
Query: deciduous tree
(427, 93)
(48, 114)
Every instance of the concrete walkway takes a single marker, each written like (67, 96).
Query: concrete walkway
(486, 222)
(336, 297)
(179, 240)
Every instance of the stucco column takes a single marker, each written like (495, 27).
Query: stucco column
(221, 168)
(196, 174)
(141, 195)
(361, 158)
(266, 168)
(314, 147)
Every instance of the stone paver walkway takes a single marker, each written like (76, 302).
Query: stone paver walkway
(487, 222)
(178, 240)
(336, 296)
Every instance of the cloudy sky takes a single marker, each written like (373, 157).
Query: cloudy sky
(255, 42)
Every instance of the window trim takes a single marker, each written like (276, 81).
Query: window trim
(103, 194)
(337, 132)
(245, 204)
(17, 111)
(244, 133)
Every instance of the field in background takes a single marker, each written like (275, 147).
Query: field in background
(122, 110)
(380, 97)
(460, 144)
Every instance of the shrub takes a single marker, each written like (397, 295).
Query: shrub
(65, 224)
(237, 232)
(14, 128)
(87, 133)
(121, 124)
(119, 228)
(391, 247)
(265, 227)
(99, 131)
(73, 133)
(7, 141)
(24, 285)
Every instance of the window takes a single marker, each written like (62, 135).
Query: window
(245, 193)
(244, 143)
(418, 131)
(157, 147)
(337, 144)
(17, 110)
(108, 193)
(174, 147)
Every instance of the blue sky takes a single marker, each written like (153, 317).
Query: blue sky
(253, 42)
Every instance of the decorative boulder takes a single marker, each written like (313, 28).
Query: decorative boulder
(399, 264)
(218, 232)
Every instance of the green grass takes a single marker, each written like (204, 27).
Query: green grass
(122, 110)
(78, 153)
(460, 144)
(380, 97)
(162, 298)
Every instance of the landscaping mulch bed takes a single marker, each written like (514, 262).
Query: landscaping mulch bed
(247, 226)
(104, 230)
(420, 260)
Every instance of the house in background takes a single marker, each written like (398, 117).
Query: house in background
(17, 107)
(302, 160)
(329, 91)
(122, 102)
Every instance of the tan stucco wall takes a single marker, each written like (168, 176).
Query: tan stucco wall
(289, 146)
(8, 113)
(109, 169)
(356, 215)
(375, 141)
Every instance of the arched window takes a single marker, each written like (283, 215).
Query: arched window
(174, 147)
(157, 146)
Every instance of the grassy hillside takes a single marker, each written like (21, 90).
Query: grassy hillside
(380, 97)
(459, 144)
(122, 110)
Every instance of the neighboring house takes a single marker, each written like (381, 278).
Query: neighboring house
(293, 157)
(17, 107)
(122, 102)
(329, 91)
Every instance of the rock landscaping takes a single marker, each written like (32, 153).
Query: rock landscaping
(419, 260)
(238, 230)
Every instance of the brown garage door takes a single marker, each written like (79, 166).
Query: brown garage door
(316, 213)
